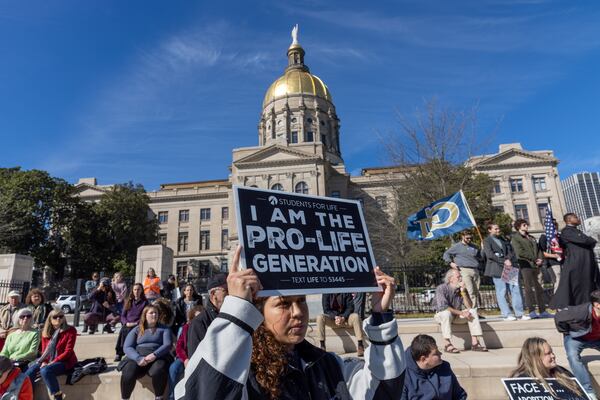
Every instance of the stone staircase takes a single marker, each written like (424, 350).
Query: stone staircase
(478, 373)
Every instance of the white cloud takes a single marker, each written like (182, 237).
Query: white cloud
(164, 103)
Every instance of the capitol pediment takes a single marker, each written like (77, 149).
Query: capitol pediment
(276, 155)
(515, 157)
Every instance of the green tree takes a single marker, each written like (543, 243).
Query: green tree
(126, 212)
(431, 156)
(35, 209)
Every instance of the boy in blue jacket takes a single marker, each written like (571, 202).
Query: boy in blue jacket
(428, 377)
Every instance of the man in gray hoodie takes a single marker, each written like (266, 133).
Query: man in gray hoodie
(466, 257)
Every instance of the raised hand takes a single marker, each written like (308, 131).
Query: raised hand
(380, 301)
(242, 283)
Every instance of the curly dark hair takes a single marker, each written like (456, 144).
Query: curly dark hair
(269, 358)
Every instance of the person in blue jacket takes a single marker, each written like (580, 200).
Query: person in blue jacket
(428, 377)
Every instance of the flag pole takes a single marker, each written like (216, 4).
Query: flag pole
(479, 234)
(472, 218)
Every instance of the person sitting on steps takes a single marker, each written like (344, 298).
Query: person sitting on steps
(450, 298)
(58, 353)
(338, 312)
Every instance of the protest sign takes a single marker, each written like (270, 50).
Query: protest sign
(532, 389)
(300, 244)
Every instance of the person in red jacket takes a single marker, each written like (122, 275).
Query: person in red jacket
(13, 383)
(177, 367)
(58, 354)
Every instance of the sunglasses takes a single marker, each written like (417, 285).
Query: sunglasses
(58, 317)
(26, 316)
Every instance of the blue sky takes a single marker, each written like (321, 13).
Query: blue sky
(156, 92)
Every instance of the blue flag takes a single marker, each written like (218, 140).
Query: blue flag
(440, 218)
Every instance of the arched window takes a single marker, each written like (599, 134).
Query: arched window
(277, 186)
(301, 187)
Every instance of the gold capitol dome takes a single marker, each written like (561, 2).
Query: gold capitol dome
(297, 79)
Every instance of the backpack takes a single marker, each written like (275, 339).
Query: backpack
(90, 366)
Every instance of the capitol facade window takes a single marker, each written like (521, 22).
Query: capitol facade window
(301, 187)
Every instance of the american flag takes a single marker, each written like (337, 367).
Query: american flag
(552, 245)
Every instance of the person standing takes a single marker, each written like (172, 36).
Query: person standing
(529, 258)
(152, 285)
(580, 326)
(119, 286)
(580, 274)
(90, 286)
(500, 261)
(553, 253)
(465, 257)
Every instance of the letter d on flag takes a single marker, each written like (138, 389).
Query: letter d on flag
(440, 218)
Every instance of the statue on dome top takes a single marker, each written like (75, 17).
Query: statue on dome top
(295, 35)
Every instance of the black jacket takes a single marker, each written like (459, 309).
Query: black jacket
(180, 314)
(579, 276)
(345, 305)
(575, 321)
(198, 327)
(495, 256)
(320, 367)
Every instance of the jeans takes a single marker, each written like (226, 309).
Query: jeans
(574, 347)
(175, 374)
(515, 294)
(49, 374)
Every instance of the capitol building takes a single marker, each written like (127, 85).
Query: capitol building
(298, 150)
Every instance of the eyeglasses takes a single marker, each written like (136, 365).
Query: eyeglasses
(25, 316)
(55, 317)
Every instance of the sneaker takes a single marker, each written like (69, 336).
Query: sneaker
(533, 315)
(525, 317)
(546, 314)
(510, 318)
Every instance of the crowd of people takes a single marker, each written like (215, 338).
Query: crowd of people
(255, 348)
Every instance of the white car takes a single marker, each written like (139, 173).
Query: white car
(426, 296)
(66, 302)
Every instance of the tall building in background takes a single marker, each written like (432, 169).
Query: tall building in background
(582, 194)
(525, 182)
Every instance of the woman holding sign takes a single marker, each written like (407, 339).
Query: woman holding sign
(270, 358)
(537, 360)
